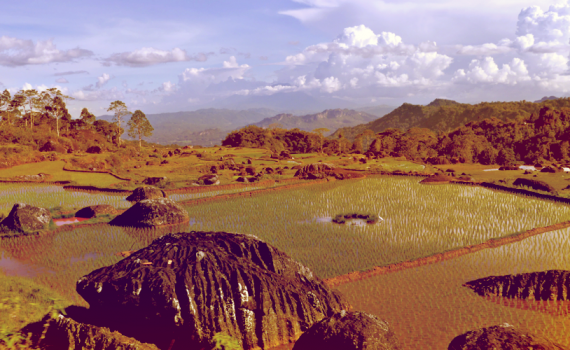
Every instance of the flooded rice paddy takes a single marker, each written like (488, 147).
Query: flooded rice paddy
(427, 306)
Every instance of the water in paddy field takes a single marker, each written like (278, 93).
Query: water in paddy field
(16, 267)
(428, 306)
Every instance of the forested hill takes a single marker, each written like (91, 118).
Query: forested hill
(446, 115)
(202, 127)
(331, 119)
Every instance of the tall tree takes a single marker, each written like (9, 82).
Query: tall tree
(120, 110)
(321, 131)
(30, 100)
(5, 100)
(139, 126)
(54, 104)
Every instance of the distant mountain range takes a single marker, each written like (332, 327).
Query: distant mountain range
(445, 115)
(331, 119)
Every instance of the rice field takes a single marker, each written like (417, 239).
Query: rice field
(427, 306)
(419, 221)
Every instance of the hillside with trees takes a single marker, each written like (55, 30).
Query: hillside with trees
(33, 123)
(446, 115)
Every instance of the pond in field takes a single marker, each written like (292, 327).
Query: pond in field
(427, 306)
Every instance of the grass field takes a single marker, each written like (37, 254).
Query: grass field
(56, 170)
(428, 306)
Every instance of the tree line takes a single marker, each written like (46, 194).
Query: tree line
(31, 116)
(542, 136)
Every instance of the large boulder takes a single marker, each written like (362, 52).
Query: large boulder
(152, 212)
(534, 184)
(153, 181)
(315, 171)
(65, 333)
(502, 337)
(209, 180)
(95, 210)
(146, 192)
(349, 331)
(544, 285)
(25, 218)
(190, 286)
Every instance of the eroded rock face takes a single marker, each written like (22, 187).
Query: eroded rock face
(315, 171)
(503, 337)
(146, 192)
(94, 210)
(25, 218)
(545, 285)
(65, 333)
(152, 212)
(189, 286)
(349, 331)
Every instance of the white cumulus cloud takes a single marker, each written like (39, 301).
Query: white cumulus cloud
(148, 56)
(19, 52)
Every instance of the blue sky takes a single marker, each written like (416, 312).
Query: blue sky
(183, 55)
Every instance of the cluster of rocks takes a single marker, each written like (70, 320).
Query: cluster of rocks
(38, 177)
(283, 155)
(155, 181)
(95, 210)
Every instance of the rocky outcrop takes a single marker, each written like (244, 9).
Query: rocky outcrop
(315, 171)
(95, 210)
(189, 286)
(545, 285)
(503, 337)
(153, 181)
(349, 331)
(39, 177)
(152, 212)
(65, 333)
(146, 192)
(25, 218)
(209, 180)
(534, 184)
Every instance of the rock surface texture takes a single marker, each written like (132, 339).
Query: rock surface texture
(65, 333)
(152, 212)
(503, 337)
(146, 192)
(349, 331)
(25, 218)
(315, 171)
(209, 180)
(94, 210)
(189, 286)
(545, 285)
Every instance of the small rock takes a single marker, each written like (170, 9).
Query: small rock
(94, 210)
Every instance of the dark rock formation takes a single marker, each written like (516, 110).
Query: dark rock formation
(65, 333)
(348, 331)
(152, 212)
(550, 169)
(242, 179)
(209, 180)
(146, 192)
(94, 150)
(153, 181)
(189, 286)
(503, 337)
(534, 184)
(545, 285)
(315, 171)
(509, 167)
(94, 210)
(25, 218)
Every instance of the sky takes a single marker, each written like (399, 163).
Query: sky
(175, 55)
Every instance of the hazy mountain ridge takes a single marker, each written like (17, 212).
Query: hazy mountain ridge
(444, 115)
(330, 119)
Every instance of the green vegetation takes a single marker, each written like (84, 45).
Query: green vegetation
(22, 302)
